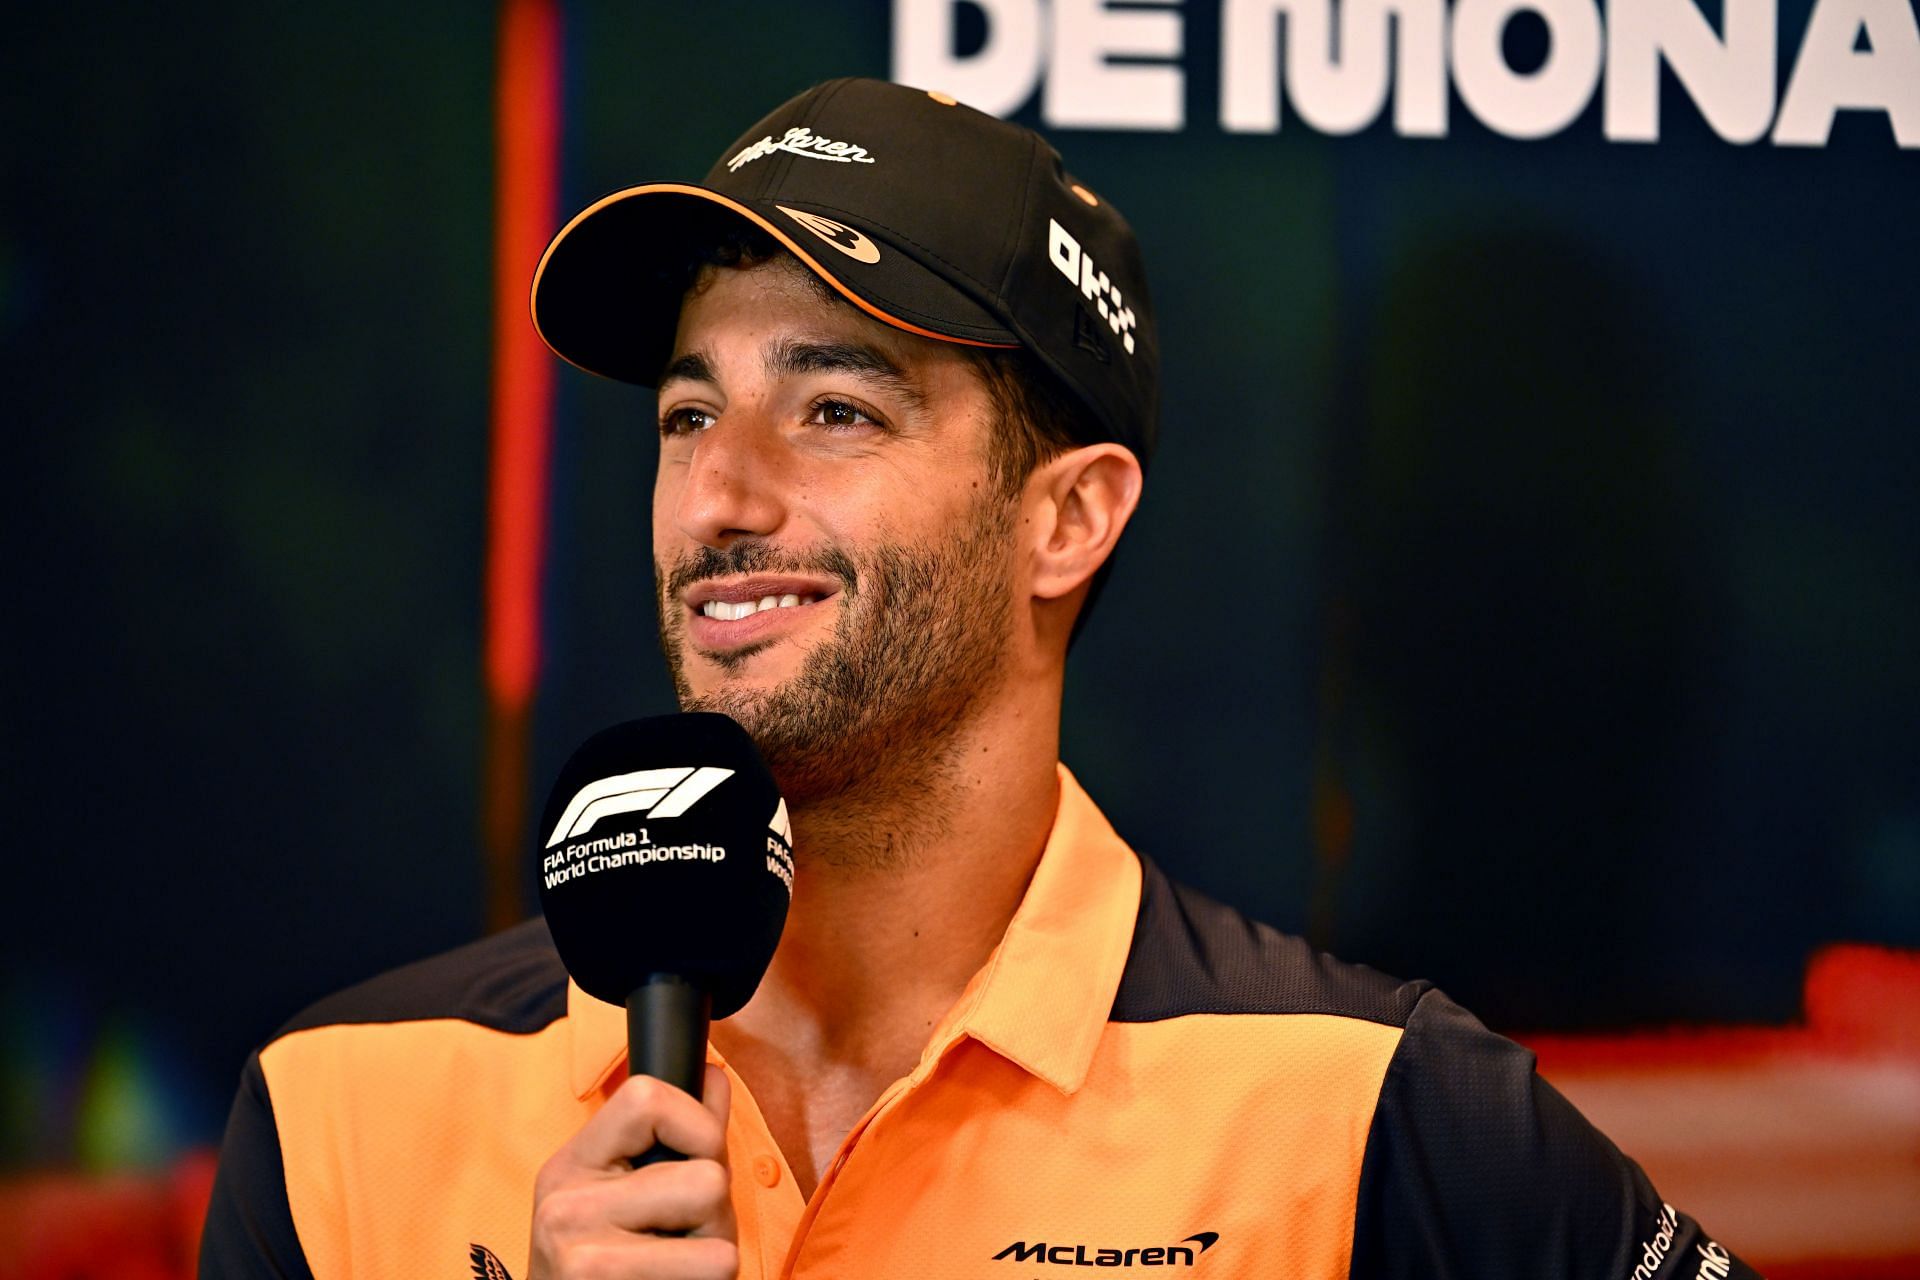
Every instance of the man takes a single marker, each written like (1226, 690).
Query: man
(906, 373)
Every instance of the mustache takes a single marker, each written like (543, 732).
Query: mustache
(755, 555)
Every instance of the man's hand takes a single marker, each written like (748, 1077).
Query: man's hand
(596, 1216)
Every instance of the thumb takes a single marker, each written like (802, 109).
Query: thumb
(716, 1094)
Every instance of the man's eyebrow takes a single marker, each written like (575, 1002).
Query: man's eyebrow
(692, 367)
(857, 358)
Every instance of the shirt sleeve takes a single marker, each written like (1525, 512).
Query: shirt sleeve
(1476, 1167)
(249, 1229)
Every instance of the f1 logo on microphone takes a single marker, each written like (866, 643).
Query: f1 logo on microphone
(663, 793)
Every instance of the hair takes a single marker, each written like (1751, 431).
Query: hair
(1037, 417)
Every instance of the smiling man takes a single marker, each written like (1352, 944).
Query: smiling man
(833, 574)
(906, 372)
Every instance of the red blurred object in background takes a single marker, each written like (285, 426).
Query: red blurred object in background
(68, 1226)
(526, 184)
(1799, 1146)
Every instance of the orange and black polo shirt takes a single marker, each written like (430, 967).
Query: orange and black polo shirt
(1138, 1080)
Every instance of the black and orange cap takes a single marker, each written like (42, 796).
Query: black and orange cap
(927, 214)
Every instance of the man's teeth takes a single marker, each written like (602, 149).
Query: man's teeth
(729, 612)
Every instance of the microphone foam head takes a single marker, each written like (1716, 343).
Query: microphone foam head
(665, 848)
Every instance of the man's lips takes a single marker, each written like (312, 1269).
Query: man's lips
(726, 613)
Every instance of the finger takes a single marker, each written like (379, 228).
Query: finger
(655, 1258)
(694, 1258)
(608, 1217)
(676, 1198)
(716, 1094)
(644, 1111)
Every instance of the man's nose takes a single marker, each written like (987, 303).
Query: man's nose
(733, 482)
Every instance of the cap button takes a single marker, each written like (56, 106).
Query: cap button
(766, 1171)
(944, 99)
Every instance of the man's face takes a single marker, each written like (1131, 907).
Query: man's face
(835, 569)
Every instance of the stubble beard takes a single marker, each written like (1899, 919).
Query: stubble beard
(864, 738)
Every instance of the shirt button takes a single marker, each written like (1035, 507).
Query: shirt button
(767, 1170)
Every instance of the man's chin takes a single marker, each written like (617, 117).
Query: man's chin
(713, 668)
(751, 670)
(745, 692)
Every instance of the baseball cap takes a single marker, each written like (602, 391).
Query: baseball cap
(926, 214)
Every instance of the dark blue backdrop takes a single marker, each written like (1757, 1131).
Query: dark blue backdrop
(1525, 595)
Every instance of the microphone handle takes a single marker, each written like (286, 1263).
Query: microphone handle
(667, 1018)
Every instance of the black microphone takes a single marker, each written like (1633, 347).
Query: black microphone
(666, 869)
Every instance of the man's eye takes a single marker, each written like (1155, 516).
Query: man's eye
(840, 415)
(680, 422)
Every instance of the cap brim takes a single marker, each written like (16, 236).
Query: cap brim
(606, 295)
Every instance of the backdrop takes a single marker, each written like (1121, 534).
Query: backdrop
(1525, 595)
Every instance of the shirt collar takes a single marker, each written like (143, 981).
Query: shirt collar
(1042, 998)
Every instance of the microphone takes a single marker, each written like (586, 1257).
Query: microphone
(666, 869)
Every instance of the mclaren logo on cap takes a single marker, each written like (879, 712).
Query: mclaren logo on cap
(663, 793)
(838, 234)
(803, 142)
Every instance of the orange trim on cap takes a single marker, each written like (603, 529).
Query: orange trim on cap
(791, 245)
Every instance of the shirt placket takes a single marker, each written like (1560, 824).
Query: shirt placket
(782, 1223)
(794, 1268)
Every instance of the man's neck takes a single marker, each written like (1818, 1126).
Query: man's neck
(912, 915)
(882, 939)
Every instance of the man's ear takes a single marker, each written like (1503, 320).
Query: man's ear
(1079, 504)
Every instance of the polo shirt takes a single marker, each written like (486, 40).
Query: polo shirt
(1138, 1079)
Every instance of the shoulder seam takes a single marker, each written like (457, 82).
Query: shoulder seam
(1191, 954)
(512, 982)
